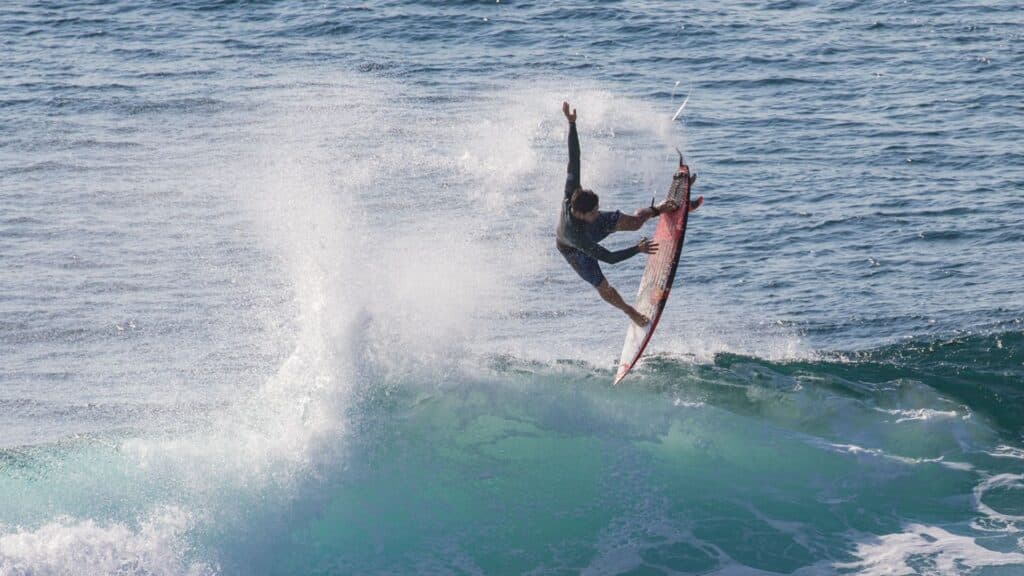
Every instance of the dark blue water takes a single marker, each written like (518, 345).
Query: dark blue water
(280, 295)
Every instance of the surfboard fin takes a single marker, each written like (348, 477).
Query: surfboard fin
(694, 204)
(681, 162)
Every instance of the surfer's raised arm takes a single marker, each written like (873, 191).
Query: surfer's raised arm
(572, 179)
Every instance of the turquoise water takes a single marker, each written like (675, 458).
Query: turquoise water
(280, 294)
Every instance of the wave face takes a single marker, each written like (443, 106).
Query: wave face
(859, 465)
(856, 466)
(280, 294)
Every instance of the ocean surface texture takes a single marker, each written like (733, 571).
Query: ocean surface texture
(279, 293)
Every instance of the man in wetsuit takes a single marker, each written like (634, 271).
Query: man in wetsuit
(581, 226)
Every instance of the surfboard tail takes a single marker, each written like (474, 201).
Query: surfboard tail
(623, 370)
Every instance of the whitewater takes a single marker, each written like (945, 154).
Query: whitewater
(280, 293)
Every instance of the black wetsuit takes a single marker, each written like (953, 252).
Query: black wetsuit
(577, 240)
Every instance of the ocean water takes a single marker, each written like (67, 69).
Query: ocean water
(279, 291)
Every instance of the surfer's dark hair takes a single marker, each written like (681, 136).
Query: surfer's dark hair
(583, 200)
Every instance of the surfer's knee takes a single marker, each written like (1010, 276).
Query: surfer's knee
(606, 291)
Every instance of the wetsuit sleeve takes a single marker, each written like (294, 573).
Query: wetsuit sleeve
(595, 250)
(572, 178)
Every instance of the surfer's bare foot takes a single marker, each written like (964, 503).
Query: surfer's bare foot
(638, 318)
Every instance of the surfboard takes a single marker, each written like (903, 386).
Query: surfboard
(656, 282)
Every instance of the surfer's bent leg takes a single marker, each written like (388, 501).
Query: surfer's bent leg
(611, 296)
(589, 269)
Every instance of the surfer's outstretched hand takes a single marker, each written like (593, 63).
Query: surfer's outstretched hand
(570, 116)
(652, 210)
(667, 206)
(647, 247)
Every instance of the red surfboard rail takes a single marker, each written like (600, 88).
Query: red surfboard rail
(656, 283)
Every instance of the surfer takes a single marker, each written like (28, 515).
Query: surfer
(581, 226)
